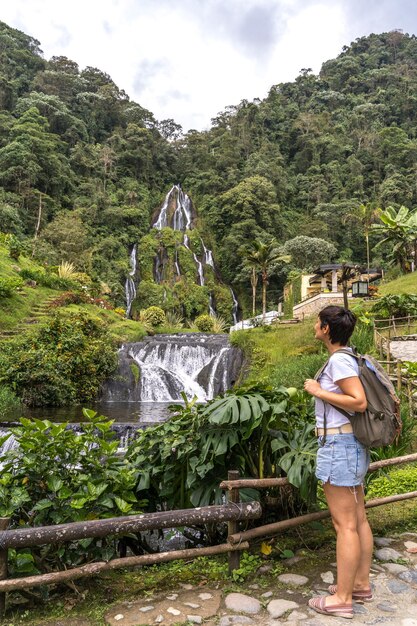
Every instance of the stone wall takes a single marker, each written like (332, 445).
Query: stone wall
(315, 304)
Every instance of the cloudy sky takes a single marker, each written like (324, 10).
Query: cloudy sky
(189, 59)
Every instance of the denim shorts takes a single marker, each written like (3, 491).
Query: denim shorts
(342, 460)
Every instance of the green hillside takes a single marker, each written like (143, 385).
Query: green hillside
(403, 284)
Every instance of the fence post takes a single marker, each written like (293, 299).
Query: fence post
(410, 398)
(408, 324)
(399, 376)
(232, 527)
(4, 524)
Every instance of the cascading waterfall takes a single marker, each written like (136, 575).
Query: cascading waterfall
(130, 287)
(159, 368)
(177, 213)
(197, 262)
(182, 215)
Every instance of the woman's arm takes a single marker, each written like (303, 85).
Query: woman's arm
(351, 399)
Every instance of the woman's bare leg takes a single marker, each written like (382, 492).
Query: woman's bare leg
(367, 544)
(345, 505)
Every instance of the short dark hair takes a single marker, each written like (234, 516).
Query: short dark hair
(341, 323)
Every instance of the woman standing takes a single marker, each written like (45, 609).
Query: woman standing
(342, 463)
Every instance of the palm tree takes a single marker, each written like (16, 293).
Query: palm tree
(365, 214)
(260, 255)
(399, 228)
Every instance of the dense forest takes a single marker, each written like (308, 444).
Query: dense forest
(83, 169)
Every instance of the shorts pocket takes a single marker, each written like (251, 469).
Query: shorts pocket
(352, 459)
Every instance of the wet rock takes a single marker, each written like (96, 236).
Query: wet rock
(293, 579)
(387, 554)
(277, 608)
(242, 603)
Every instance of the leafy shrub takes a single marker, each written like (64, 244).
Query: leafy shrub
(260, 433)
(8, 286)
(204, 323)
(219, 324)
(393, 305)
(401, 480)
(69, 297)
(66, 270)
(120, 311)
(58, 475)
(47, 279)
(15, 246)
(8, 401)
(66, 361)
(154, 315)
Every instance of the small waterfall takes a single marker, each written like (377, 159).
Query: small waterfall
(197, 262)
(208, 255)
(159, 368)
(177, 265)
(212, 310)
(130, 287)
(235, 306)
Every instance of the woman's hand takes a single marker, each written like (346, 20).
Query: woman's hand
(312, 387)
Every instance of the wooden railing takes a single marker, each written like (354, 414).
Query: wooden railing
(232, 511)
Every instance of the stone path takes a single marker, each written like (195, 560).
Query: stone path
(404, 350)
(394, 579)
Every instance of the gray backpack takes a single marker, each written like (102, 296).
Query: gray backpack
(380, 423)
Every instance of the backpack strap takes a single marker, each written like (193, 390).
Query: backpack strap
(359, 359)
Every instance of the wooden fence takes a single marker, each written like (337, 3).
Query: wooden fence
(232, 511)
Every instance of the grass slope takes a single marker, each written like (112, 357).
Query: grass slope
(403, 284)
(20, 307)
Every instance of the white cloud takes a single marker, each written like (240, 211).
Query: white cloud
(189, 59)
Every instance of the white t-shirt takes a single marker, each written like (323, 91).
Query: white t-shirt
(340, 366)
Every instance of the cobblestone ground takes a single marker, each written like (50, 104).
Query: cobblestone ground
(394, 582)
(404, 350)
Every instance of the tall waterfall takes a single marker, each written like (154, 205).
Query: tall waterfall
(159, 368)
(130, 287)
(182, 215)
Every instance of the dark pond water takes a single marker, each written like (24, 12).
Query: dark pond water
(122, 412)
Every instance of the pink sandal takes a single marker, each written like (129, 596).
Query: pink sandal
(318, 604)
(360, 595)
